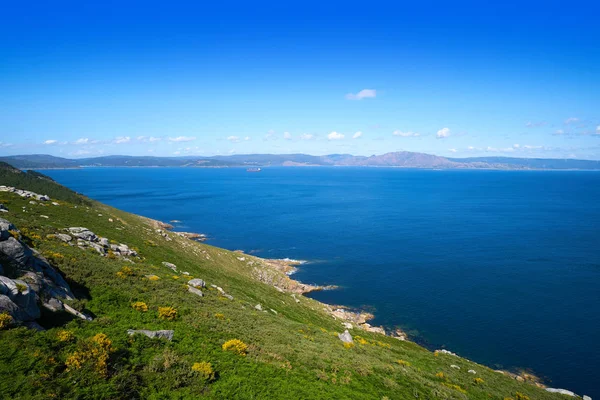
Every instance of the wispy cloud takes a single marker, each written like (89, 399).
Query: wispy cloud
(535, 124)
(122, 139)
(51, 141)
(405, 134)
(247, 138)
(182, 139)
(598, 130)
(2, 144)
(82, 141)
(571, 120)
(287, 136)
(270, 135)
(363, 94)
(559, 132)
(443, 133)
(357, 135)
(307, 136)
(335, 136)
(452, 150)
(233, 139)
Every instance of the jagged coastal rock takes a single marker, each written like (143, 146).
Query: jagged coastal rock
(28, 281)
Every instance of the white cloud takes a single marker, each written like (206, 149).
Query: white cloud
(335, 136)
(559, 132)
(307, 136)
(516, 146)
(287, 136)
(182, 139)
(233, 139)
(122, 139)
(247, 138)
(82, 141)
(535, 124)
(471, 148)
(405, 134)
(443, 133)
(270, 135)
(571, 120)
(598, 130)
(153, 139)
(2, 144)
(357, 135)
(363, 94)
(452, 150)
(51, 141)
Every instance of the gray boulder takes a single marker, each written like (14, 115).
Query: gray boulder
(15, 251)
(170, 265)
(54, 305)
(258, 307)
(5, 227)
(64, 237)
(586, 397)
(346, 337)
(104, 242)
(197, 283)
(195, 291)
(164, 334)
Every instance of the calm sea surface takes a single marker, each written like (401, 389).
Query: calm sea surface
(500, 267)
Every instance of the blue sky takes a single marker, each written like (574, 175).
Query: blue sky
(455, 79)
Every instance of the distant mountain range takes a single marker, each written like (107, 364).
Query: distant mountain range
(402, 159)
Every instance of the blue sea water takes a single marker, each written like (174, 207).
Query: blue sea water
(501, 267)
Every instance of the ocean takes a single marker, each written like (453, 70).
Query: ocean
(501, 267)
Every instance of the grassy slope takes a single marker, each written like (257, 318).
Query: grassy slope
(294, 354)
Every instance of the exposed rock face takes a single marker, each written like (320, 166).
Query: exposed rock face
(346, 337)
(25, 193)
(561, 391)
(164, 334)
(88, 239)
(28, 281)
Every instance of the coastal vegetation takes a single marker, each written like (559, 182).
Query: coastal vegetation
(225, 331)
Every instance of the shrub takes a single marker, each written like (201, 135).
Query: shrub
(204, 369)
(348, 345)
(219, 316)
(53, 256)
(168, 313)
(361, 340)
(403, 363)
(478, 381)
(236, 346)
(21, 288)
(94, 352)
(65, 336)
(5, 320)
(440, 375)
(125, 272)
(139, 306)
(521, 396)
(153, 278)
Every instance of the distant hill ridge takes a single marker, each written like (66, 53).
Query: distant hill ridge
(404, 159)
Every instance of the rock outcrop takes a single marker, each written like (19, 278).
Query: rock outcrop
(87, 239)
(163, 334)
(27, 280)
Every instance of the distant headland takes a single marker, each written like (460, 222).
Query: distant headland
(401, 159)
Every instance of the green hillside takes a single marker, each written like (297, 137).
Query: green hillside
(288, 350)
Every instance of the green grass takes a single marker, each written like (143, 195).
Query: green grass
(294, 354)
